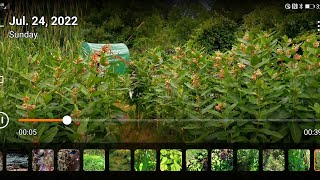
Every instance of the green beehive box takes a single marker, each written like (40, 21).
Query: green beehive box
(119, 49)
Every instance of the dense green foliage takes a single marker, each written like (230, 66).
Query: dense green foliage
(55, 92)
(145, 160)
(120, 160)
(189, 63)
(273, 160)
(170, 160)
(248, 159)
(272, 18)
(262, 77)
(222, 160)
(197, 160)
(217, 33)
(94, 160)
(299, 160)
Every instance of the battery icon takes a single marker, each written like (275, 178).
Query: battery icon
(309, 6)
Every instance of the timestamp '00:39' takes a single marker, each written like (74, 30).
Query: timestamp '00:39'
(311, 132)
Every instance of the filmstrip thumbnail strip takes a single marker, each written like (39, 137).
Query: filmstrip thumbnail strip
(169, 160)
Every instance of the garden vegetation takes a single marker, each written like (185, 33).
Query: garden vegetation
(230, 78)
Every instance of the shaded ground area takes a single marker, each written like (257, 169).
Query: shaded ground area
(119, 160)
(143, 133)
(248, 159)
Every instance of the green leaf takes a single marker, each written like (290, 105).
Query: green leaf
(283, 130)
(281, 114)
(271, 110)
(83, 89)
(175, 167)
(216, 113)
(141, 167)
(241, 139)
(246, 62)
(307, 126)
(228, 110)
(217, 136)
(263, 138)
(163, 167)
(246, 91)
(221, 90)
(303, 115)
(249, 109)
(27, 138)
(232, 98)
(189, 85)
(295, 131)
(41, 128)
(49, 135)
(271, 133)
(15, 140)
(20, 97)
(21, 113)
(317, 126)
(249, 128)
(164, 160)
(50, 115)
(34, 58)
(302, 108)
(47, 98)
(206, 109)
(226, 123)
(256, 66)
(191, 126)
(82, 129)
(241, 122)
(316, 107)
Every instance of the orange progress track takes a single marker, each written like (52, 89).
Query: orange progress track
(40, 120)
